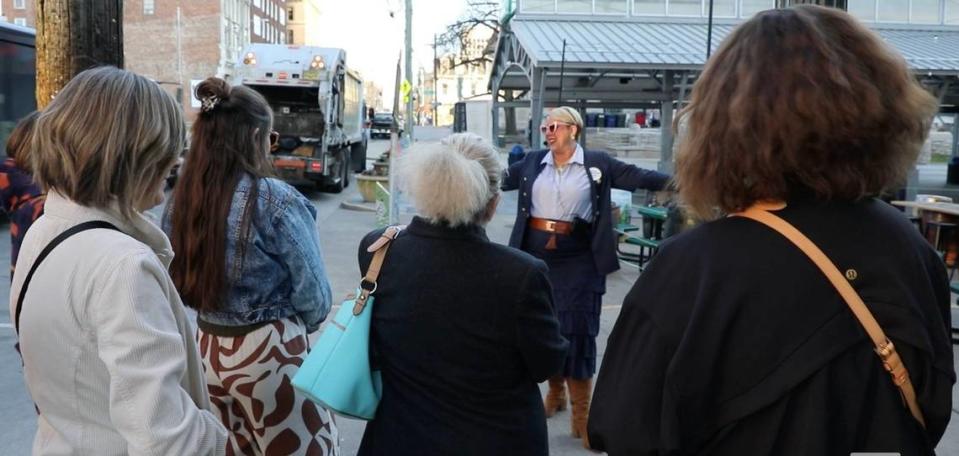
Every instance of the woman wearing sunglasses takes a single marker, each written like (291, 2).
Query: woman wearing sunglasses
(248, 260)
(565, 219)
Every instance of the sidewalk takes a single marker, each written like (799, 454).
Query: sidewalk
(340, 233)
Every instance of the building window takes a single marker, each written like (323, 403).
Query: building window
(610, 6)
(924, 12)
(149, 7)
(257, 25)
(649, 7)
(258, 3)
(19, 4)
(289, 37)
(282, 18)
(952, 12)
(538, 6)
(750, 7)
(864, 10)
(687, 7)
(574, 6)
(721, 8)
(289, 13)
(894, 10)
(20, 21)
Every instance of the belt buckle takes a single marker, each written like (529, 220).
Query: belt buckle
(550, 226)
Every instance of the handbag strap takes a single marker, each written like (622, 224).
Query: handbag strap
(883, 346)
(368, 284)
(92, 225)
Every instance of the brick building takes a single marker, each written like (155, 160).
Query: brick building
(268, 21)
(204, 39)
(18, 12)
(302, 26)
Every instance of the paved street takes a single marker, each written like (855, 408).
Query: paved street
(340, 232)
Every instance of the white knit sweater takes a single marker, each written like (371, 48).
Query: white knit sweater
(109, 355)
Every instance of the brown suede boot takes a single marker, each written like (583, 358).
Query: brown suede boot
(556, 396)
(579, 394)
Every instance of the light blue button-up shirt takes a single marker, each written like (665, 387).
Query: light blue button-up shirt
(563, 194)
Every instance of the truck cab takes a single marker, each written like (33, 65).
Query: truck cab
(317, 104)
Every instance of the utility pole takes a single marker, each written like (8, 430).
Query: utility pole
(179, 59)
(436, 76)
(72, 36)
(409, 68)
(394, 152)
(709, 32)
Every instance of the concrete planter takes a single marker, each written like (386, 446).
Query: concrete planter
(367, 185)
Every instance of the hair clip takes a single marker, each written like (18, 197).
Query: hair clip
(207, 104)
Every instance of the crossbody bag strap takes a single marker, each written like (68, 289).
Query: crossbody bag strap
(368, 284)
(883, 346)
(92, 225)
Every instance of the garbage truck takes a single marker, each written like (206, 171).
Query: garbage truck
(318, 111)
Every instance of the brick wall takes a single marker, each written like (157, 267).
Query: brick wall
(11, 14)
(150, 42)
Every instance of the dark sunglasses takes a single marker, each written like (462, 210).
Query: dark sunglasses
(551, 128)
(274, 137)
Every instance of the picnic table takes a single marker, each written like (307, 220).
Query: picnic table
(646, 238)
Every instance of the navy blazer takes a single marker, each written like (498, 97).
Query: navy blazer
(614, 174)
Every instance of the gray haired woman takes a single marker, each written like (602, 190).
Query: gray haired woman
(475, 318)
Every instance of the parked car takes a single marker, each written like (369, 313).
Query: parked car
(381, 124)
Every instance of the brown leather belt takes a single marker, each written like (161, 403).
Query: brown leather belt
(551, 226)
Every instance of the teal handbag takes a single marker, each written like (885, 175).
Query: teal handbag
(337, 374)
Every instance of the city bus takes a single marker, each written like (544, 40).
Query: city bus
(18, 77)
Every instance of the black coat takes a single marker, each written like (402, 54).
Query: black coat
(614, 174)
(733, 342)
(463, 330)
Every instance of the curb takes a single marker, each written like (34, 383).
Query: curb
(357, 207)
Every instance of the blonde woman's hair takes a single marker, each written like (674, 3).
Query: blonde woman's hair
(568, 115)
(454, 181)
(109, 135)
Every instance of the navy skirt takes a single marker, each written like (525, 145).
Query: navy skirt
(577, 296)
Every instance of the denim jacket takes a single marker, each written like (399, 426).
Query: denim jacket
(281, 274)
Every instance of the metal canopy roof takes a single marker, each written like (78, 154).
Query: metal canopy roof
(676, 45)
(595, 43)
(611, 62)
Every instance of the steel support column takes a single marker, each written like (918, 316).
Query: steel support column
(494, 116)
(666, 126)
(537, 87)
(955, 135)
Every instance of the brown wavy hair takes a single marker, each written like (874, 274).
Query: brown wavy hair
(18, 144)
(228, 141)
(799, 101)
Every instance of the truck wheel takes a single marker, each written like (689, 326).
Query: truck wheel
(358, 157)
(338, 186)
